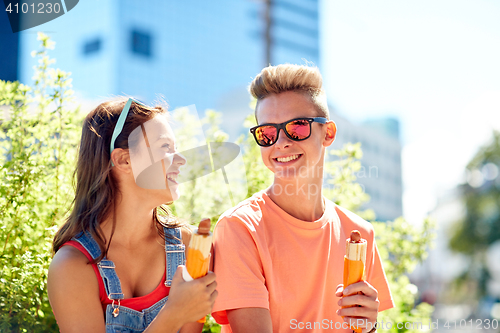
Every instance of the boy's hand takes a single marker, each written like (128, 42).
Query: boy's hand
(365, 298)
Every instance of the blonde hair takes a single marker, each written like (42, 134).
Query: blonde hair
(287, 77)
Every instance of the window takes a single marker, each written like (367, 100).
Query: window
(92, 46)
(141, 43)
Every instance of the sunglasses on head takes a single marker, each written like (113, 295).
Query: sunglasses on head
(297, 129)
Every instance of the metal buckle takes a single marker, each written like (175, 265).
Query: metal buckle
(116, 310)
(103, 266)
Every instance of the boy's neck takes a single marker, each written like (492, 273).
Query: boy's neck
(302, 200)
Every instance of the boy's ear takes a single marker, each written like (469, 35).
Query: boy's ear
(331, 133)
(121, 159)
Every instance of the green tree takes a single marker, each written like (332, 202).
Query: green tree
(402, 246)
(208, 195)
(480, 226)
(340, 174)
(37, 144)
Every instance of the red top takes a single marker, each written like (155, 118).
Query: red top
(135, 303)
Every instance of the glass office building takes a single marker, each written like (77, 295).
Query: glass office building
(187, 52)
(9, 42)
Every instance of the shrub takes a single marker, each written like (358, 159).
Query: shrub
(38, 144)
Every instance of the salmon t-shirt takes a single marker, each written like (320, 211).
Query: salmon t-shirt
(266, 258)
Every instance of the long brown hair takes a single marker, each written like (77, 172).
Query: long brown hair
(96, 188)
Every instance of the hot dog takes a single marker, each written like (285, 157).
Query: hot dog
(354, 262)
(198, 253)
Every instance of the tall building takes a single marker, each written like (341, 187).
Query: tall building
(294, 31)
(9, 42)
(380, 173)
(187, 52)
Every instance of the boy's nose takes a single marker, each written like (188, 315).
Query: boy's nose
(283, 140)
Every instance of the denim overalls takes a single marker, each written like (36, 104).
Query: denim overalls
(120, 318)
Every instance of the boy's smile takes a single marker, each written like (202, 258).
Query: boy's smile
(289, 159)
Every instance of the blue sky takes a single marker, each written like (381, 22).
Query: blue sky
(433, 64)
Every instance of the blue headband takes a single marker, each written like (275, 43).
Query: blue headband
(119, 125)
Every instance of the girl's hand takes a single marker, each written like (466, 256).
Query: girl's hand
(191, 300)
(364, 299)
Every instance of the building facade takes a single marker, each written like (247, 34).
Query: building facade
(9, 42)
(380, 174)
(183, 52)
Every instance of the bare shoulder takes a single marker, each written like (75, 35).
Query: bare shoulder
(73, 289)
(70, 273)
(69, 262)
(68, 255)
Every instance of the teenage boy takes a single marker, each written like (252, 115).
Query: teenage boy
(279, 255)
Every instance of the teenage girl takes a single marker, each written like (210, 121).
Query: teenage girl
(117, 257)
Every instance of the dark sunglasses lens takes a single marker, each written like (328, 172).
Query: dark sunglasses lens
(265, 135)
(298, 129)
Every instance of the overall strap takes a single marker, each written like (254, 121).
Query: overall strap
(175, 252)
(111, 281)
(106, 267)
(89, 243)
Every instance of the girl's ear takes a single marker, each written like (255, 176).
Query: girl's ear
(121, 160)
(331, 133)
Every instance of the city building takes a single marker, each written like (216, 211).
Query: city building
(9, 42)
(294, 31)
(380, 173)
(183, 52)
(435, 274)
